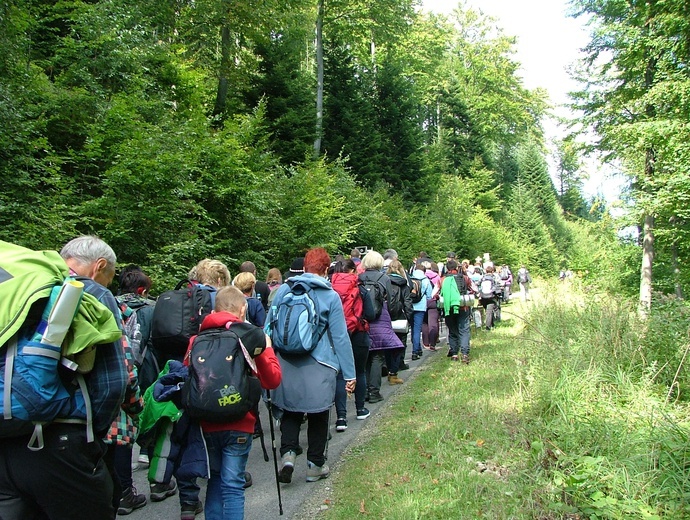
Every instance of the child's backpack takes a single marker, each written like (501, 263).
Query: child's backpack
(177, 317)
(49, 327)
(221, 385)
(377, 293)
(347, 288)
(294, 325)
(487, 286)
(505, 273)
(416, 291)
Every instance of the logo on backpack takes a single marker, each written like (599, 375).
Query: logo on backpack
(295, 326)
(416, 290)
(347, 287)
(377, 293)
(221, 385)
(177, 317)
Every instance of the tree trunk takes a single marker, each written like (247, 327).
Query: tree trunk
(319, 79)
(647, 248)
(223, 81)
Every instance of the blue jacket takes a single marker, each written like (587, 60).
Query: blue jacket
(418, 274)
(334, 350)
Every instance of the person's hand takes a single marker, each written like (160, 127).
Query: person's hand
(350, 385)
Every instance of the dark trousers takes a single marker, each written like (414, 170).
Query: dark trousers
(317, 434)
(65, 480)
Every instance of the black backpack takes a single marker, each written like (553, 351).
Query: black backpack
(377, 293)
(416, 290)
(221, 385)
(177, 317)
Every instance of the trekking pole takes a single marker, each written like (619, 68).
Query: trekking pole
(269, 405)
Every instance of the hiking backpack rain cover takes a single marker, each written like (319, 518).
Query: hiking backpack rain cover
(294, 325)
(221, 385)
(347, 287)
(177, 317)
(487, 286)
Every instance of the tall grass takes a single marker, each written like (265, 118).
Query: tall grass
(563, 413)
(609, 441)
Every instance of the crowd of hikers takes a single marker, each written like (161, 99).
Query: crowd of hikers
(183, 375)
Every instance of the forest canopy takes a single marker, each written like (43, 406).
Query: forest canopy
(255, 130)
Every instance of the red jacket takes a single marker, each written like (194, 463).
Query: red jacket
(267, 370)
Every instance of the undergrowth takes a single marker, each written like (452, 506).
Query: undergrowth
(564, 412)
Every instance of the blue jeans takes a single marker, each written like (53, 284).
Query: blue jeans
(228, 452)
(417, 323)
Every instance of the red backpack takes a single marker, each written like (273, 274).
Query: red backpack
(347, 287)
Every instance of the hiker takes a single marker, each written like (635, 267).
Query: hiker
(457, 311)
(68, 476)
(359, 311)
(137, 309)
(380, 329)
(489, 297)
(442, 269)
(309, 380)
(430, 329)
(506, 276)
(419, 307)
(255, 314)
(261, 290)
(524, 280)
(400, 310)
(228, 443)
(296, 269)
(213, 274)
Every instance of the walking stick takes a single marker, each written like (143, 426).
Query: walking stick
(269, 405)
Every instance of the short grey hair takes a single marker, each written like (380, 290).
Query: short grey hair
(390, 254)
(372, 260)
(87, 249)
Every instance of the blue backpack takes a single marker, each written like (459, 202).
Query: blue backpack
(40, 371)
(294, 324)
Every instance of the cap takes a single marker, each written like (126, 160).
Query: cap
(297, 265)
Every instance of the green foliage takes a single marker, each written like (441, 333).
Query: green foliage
(594, 388)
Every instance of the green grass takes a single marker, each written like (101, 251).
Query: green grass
(557, 416)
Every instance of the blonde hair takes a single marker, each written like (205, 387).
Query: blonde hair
(244, 282)
(372, 260)
(230, 299)
(274, 275)
(396, 267)
(211, 272)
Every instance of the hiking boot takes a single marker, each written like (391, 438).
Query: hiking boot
(316, 473)
(189, 511)
(247, 480)
(287, 467)
(160, 491)
(403, 366)
(415, 356)
(393, 379)
(363, 413)
(384, 370)
(466, 359)
(130, 501)
(340, 425)
(375, 397)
